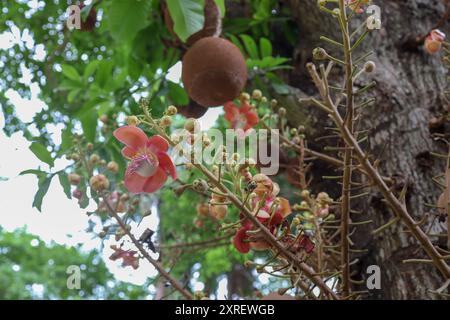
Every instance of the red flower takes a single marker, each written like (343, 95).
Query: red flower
(243, 118)
(240, 240)
(129, 257)
(433, 42)
(150, 164)
(355, 5)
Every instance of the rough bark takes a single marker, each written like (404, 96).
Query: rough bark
(409, 92)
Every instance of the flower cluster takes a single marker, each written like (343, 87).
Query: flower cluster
(268, 208)
(241, 118)
(150, 164)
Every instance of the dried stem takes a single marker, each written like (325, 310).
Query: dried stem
(398, 208)
(269, 237)
(175, 284)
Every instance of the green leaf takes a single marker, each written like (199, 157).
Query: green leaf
(250, 46)
(72, 95)
(39, 173)
(126, 17)
(42, 153)
(265, 47)
(90, 69)
(187, 15)
(221, 5)
(89, 124)
(65, 184)
(236, 42)
(66, 140)
(44, 184)
(177, 94)
(70, 72)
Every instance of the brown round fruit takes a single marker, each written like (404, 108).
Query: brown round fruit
(192, 110)
(214, 71)
(211, 27)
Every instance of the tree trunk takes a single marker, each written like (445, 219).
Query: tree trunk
(409, 92)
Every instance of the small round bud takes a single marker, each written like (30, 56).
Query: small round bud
(172, 110)
(200, 185)
(189, 166)
(113, 166)
(99, 182)
(77, 194)
(369, 67)
(165, 121)
(273, 103)
(264, 100)
(245, 96)
(320, 54)
(75, 157)
(94, 159)
(74, 179)
(257, 94)
(90, 146)
(125, 197)
(104, 118)
(305, 194)
(282, 112)
(132, 121)
(191, 124)
(294, 131)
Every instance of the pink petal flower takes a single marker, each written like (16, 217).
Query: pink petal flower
(131, 136)
(150, 164)
(156, 181)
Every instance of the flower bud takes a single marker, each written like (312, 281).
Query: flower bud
(104, 118)
(369, 67)
(165, 121)
(74, 179)
(191, 124)
(132, 121)
(113, 166)
(320, 54)
(94, 159)
(99, 182)
(257, 94)
(172, 110)
(245, 96)
(282, 112)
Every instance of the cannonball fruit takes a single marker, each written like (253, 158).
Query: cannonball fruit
(211, 27)
(192, 110)
(214, 71)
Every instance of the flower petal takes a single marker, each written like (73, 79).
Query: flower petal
(131, 136)
(134, 182)
(128, 152)
(252, 118)
(231, 111)
(157, 143)
(166, 163)
(240, 245)
(156, 181)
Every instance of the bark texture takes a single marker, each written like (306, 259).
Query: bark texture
(409, 92)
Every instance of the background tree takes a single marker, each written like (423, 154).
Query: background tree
(90, 81)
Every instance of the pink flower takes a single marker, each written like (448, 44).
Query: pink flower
(433, 42)
(355, 5)
(129, 257)
(243, 118)
(150, 164)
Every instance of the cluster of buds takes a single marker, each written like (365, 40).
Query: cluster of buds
(116, 201)
(312, 212)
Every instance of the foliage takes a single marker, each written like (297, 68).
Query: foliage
(27, 263)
